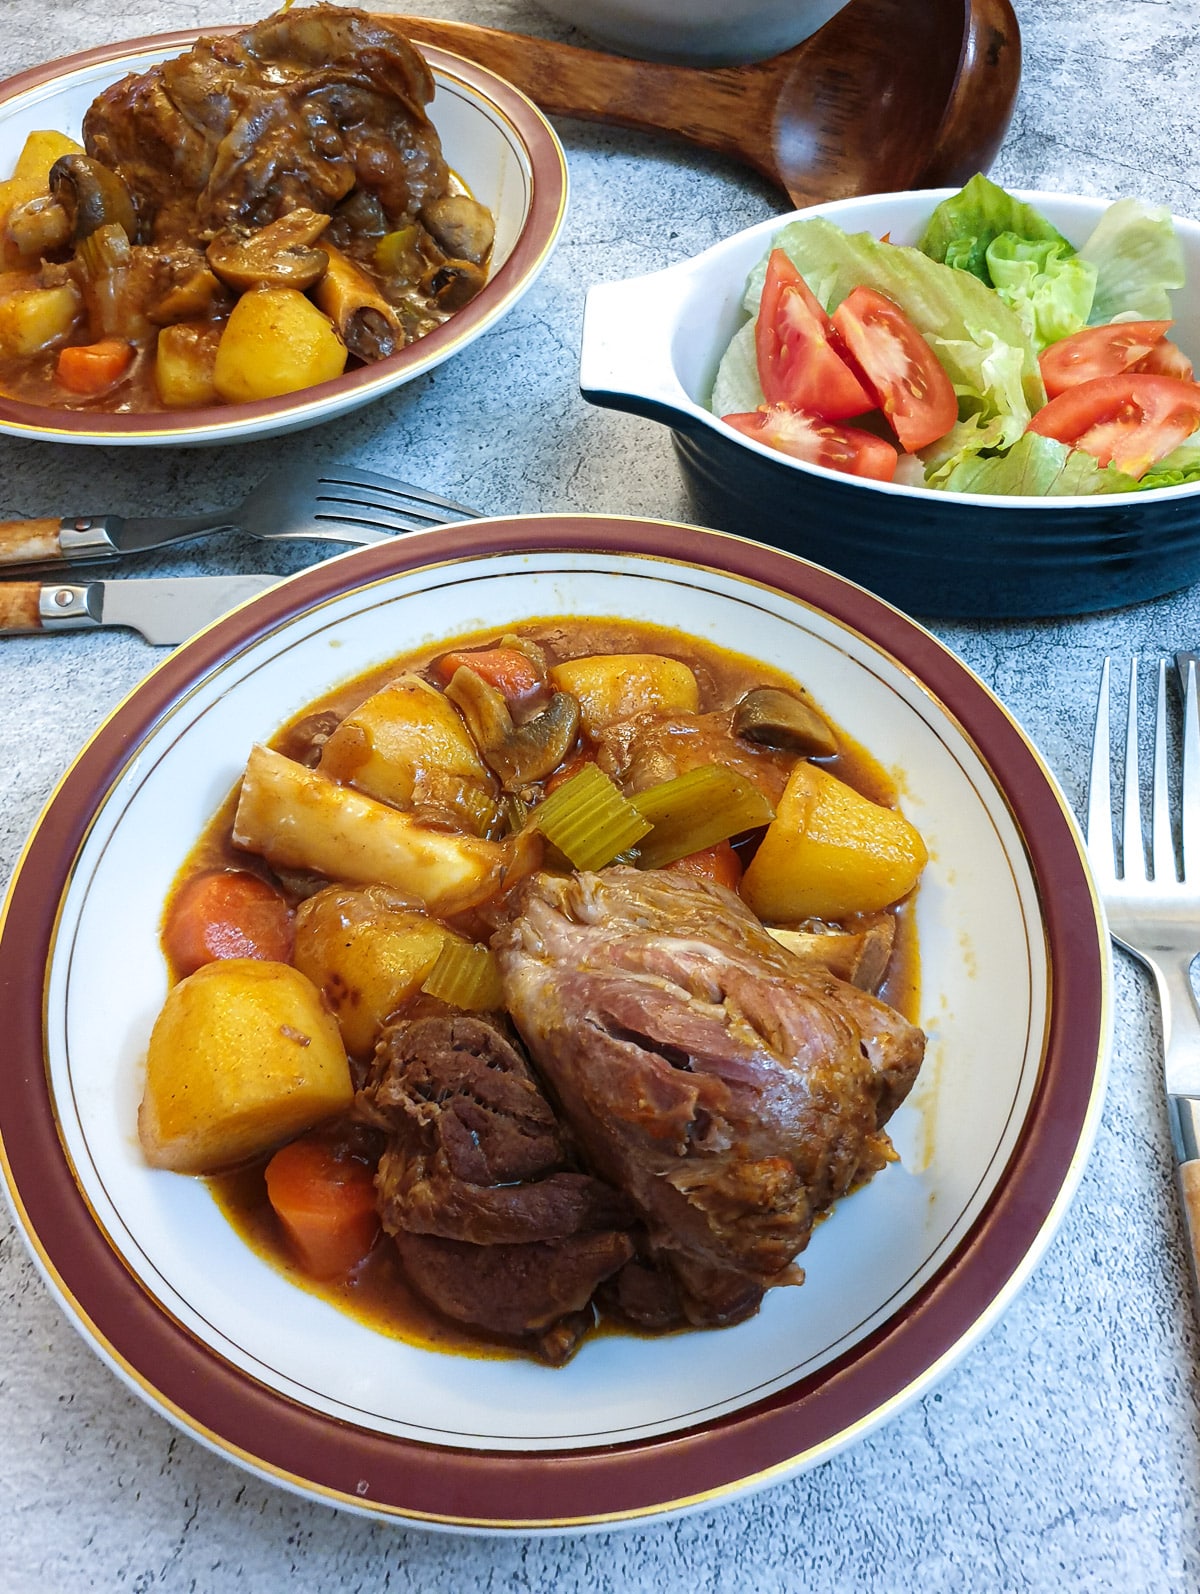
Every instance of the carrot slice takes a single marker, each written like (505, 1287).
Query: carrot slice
(326, 1204)
(719, 863)
(90, 368)
(227, 913)
(509, 670)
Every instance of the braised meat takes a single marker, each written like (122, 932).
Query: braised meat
(299, 110)
(730, 1088)
(495, 1224)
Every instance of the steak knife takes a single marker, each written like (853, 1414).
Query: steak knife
(165, 609)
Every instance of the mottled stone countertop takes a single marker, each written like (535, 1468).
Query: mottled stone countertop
(1063, 1450)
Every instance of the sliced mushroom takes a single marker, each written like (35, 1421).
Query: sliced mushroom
(463, 228)
(518, 754)
(92, 196)
(453, 283)
(369, 326)
(774, 718)
(280, 255)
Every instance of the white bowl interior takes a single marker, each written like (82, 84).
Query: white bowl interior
(984, 1004)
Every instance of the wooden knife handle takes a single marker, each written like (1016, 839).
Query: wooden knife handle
(28, 542)
(20, 605)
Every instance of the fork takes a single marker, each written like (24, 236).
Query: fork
(1155, 914)
(332, 504)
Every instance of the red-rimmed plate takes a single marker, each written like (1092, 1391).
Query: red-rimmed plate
(900, 1279)
(495, 139)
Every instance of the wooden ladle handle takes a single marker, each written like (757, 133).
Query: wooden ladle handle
(710, 107)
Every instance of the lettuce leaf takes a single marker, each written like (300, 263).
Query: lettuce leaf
(1036, 467)
(737, 388)
(1050, 288)
(963, 227)
(1138, 261)
(964, 441)
(1180, 466)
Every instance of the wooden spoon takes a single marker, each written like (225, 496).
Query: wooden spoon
(888, 95)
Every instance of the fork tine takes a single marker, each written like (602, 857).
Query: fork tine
(385, 490)
(1190, 798)
(329, 509)
(1133, 848)
(1099, 809)
(1161, 840)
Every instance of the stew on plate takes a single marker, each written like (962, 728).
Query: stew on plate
(542, 981)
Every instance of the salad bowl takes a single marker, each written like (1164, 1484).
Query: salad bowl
(652, 346)
(906, 1274)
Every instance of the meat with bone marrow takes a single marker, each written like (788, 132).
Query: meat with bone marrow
(639, 1098)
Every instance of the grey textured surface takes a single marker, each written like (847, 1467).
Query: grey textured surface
(1063, 1452)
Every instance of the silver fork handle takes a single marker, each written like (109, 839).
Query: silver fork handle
(1181, 1060)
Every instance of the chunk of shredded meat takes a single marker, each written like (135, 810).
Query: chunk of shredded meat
(495, 1223)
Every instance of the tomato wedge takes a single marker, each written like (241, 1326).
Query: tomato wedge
(1098, 351)
(1129, 421)
(797, 362)
(1166, 359)
(909, 384)
(818, 441)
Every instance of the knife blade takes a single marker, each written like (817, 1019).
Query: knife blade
(165, 609)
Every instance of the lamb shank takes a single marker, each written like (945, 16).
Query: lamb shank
(730, 1089)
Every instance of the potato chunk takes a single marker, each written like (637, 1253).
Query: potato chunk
(242, 1057)
(615, 686)
(408, 746)
(830, 852)
(298, 818)
(39, 152)
(184, 360)
(367, 952)
(275, 341)
(32, 319)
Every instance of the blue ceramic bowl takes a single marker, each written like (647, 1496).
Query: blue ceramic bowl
(651, 345)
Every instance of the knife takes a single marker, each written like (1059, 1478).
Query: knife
(165, 609)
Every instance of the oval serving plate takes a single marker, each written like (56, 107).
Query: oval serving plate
(902, 1277)
(493, 137)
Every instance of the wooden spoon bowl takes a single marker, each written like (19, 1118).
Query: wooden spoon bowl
(888, 95)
